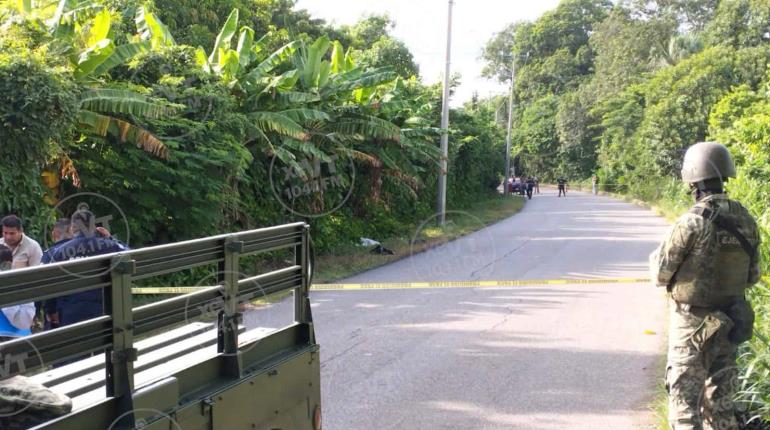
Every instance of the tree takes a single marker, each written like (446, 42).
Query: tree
(626, 50)
(298, 24)
(498, 53)
(390, 52)
(740, 23)
(535, 137)
(377, 48)
(197, 23)
(369, 30)
(689, 15)
(577, 136)
(554, 58)
(38, 110)
(562, 32)
(680, 99)
(83, 42)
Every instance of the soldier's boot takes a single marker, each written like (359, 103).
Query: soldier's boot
(719, 407)
(684, 383)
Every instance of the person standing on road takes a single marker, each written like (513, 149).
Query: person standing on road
(537, 185)
(26, 251)
(707, 262)
(562, 185)
(530, 187)
(595, 184)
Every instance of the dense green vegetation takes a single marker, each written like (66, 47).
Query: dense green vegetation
(621, 90)
(186, 114)
(196, 118)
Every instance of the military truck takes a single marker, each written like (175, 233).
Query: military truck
(182, 373)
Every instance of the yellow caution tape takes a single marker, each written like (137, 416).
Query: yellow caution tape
(166, 290)
(472, 284)
(416, 285)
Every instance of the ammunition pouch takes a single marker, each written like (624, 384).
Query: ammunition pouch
(743, 319)
(715, 323)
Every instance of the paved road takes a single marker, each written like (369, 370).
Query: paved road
(536, 357)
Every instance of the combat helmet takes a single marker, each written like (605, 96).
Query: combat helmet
(707, 160)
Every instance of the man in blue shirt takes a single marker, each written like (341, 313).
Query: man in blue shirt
(59, 234)
(86, 241)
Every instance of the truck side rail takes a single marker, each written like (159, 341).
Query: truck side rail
(114, 332)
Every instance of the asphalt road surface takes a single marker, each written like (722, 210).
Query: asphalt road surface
(580, 356)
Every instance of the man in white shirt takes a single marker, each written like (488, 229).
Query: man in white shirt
(26, 251)
(15, 321)
(23, 402)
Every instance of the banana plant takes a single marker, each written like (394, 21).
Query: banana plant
(407, 106)
(363, 104)
(152, 30)
(101, 109)
(308, 99)
(82, 32)
(246, 69)
(251, 74)
(338, 84)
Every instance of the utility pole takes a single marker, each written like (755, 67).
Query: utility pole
(445, 125)
(510, 126)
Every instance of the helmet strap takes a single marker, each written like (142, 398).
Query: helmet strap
(707, 188)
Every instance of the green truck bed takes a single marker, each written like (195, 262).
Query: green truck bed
(183, 374)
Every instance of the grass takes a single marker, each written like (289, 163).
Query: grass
(754, 359)
(660, 406)
(350, 260)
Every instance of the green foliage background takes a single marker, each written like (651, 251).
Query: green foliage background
(215, 176)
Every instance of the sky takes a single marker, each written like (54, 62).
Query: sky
(422, 25)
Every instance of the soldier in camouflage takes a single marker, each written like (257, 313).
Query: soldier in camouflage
(707, 262)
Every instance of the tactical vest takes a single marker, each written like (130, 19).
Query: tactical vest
(716, 271)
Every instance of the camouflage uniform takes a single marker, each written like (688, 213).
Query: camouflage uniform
(25, 404)
(701, 376)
